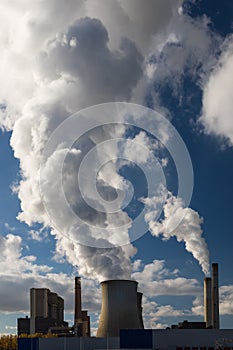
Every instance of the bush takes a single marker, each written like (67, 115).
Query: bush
(8, 342)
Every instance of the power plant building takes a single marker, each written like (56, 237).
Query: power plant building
(46, 311)
(121, 323)
(47, 314)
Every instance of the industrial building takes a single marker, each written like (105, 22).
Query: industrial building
(189, 325)
(46, 311)
(121, 324)
(156, 339)
(47, 314)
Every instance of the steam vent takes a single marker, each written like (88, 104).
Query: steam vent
(121, 308)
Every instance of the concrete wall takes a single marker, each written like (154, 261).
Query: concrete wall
(173, 338)
(78, 343)
(164, 339)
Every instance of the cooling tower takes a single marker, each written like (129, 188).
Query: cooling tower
(139, 303)
(207, 302)
(119, 308)
(215, 296)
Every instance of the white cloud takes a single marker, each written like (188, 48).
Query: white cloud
(167, 310)
(134, 19)
(140, 148)
(218, 96)
(136, 265)
(103, 74)
(10, 327)
(20, 273)
(57, 62)
(37, 235)
(226, 300)
(187, 48)
(198, 305)
(65, 78)
(8, 227)
(156, 280)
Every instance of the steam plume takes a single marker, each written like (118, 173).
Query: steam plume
(182, 223)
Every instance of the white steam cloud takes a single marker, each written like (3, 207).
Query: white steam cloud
(182, 223)
(57, 59)
(74, 69)
(218, 96)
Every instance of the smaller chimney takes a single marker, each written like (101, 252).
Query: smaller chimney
(215, 297)
(78, 301)
(207, 302)
(81, 318)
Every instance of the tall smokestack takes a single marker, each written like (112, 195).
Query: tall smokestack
(215, 296)
(119, 308)
(77, 301)
(207, 302)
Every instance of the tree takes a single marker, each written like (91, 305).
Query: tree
(8, 342)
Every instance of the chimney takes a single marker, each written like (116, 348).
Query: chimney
(207, 302)
(215, 297)
(77, 301)
(119, 308)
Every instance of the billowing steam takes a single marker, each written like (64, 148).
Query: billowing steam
(182, 223)
(56, 61)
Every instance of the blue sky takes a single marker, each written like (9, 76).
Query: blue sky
(179, 62)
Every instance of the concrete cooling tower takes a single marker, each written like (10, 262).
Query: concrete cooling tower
(121, 308)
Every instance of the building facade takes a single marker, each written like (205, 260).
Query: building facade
(46, 311)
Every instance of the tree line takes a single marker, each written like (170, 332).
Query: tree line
(9, 342)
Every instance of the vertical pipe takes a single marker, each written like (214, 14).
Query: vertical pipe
(215, 296)
(78, 302)
(207, 302)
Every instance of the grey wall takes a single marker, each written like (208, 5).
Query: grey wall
(165, 338)
(78, 343)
